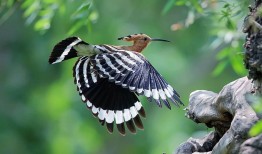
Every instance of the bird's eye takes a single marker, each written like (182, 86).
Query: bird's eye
(145, 39)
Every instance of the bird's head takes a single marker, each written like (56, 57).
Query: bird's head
(140, 38)
(140, 41)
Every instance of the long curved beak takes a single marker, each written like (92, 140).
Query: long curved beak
(157, 39)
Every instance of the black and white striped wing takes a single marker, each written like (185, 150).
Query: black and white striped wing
(131, 70)
(108, 102)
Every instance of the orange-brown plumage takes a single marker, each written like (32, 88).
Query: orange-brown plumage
(140, 42)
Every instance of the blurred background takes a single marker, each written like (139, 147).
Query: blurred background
(40, 109)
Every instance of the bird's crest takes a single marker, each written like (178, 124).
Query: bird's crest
(140, 41)
(136, 37)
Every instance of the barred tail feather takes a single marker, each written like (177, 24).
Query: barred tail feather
(65, 50)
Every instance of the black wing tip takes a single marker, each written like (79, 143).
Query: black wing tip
(131, 126)
(178, 100)
(142, 112)
(102, 122)
(121, 129)
(176, 93)
(60, 48)
(51, 60)
(138, 122)
(167, 104)
(110, 127)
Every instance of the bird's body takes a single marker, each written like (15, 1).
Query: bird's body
(109, 78)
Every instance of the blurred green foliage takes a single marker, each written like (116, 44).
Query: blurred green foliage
(257, 105)
(41, 13)
(40, 110)
(256, 129)
(227, 39)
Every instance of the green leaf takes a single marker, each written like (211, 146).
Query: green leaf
(41, 13)
(46, 13)
(81, 12)
(237, 64)
(180, 2)
(256, 129)
(82, 8)
(230, 24)
(27, 3)
(197, 6)
(227, 5)
(223, 54)
(31, 18)
(35, 7)
(220, 67)
(93, 16)
(75, 27)
(42, 24)
(168, 6)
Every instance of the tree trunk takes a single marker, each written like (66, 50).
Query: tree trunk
(230, 111)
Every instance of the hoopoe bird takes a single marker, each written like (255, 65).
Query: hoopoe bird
(109, 78)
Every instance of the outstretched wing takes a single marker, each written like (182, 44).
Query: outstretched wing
(107, 101)
(131, 70)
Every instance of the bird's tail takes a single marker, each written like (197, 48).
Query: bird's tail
(66, 49)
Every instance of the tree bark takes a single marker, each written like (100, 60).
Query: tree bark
(230, 111)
